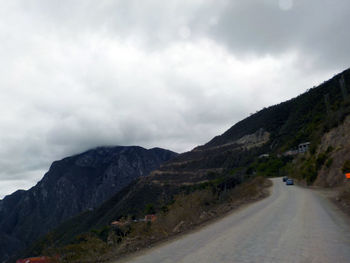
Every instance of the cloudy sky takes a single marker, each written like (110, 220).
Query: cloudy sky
(76, 74)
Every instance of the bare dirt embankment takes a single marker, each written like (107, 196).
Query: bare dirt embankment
(340, 196)
(337, 143)
(332, 174)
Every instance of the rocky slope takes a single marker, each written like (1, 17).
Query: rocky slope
(273, 130)
(337, 142)
(72, 185)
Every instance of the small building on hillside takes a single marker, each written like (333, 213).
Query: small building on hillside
(303, 147)
(150, 218)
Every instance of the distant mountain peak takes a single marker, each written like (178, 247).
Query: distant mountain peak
(71, 186)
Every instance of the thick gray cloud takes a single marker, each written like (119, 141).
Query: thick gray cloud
(80, 74)
(315, 29)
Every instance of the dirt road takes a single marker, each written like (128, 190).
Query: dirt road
(294, 224)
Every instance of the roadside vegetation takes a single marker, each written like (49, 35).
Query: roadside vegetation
(192, 207)
(305, 167)
(271, 166)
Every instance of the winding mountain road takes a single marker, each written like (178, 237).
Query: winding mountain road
(292, 225)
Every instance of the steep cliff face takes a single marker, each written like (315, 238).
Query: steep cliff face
(337, 142)
(72, 185)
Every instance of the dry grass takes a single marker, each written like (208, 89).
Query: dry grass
(90, 249)
(343, 198)
(185, 213)
(190, 211)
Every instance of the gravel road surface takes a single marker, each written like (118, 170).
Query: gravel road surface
(293, 224)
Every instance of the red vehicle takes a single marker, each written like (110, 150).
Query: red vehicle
(35, 260)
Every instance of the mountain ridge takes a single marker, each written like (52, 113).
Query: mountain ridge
(229, 159)
(72, 185)
(232, 157)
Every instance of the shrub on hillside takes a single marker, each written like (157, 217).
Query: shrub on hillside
(89, 249)
(346, 167)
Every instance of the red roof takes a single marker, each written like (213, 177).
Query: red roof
(151, 218)
(35, 260)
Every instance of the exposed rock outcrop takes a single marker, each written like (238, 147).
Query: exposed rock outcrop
(338, 139)
(71, 186)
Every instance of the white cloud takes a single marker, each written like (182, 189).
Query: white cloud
(77, 74)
